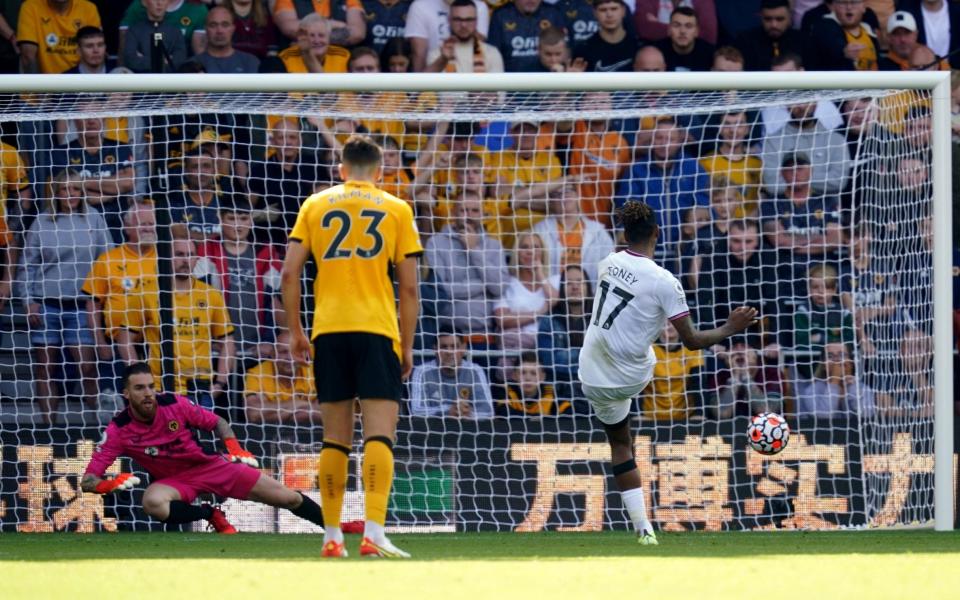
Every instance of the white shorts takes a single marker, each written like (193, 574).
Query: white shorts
(612, 405)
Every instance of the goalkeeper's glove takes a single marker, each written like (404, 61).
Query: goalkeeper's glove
(236, 453)
(120, 483)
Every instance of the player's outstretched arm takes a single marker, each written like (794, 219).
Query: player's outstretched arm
(694, 339)
(235, 452)
(92, 484)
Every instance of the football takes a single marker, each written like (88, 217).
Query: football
(768, 433)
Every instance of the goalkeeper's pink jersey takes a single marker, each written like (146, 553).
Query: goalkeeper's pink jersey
(164, 447)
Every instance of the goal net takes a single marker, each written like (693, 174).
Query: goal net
(813, 206)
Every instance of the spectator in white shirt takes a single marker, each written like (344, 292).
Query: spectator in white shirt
(775, 117)
(530, 293)
(428, 26)
(464, 51)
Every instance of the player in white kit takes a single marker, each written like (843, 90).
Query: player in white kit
(635, 298)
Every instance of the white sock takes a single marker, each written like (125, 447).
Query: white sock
(374, 531)
(637, 508)
(332, 534)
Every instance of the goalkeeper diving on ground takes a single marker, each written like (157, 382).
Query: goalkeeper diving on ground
(156, 430)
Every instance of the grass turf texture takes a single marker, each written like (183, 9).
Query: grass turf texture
(887, 564)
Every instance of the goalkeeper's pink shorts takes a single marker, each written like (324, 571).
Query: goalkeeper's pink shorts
(218, 476)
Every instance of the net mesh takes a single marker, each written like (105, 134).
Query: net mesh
(812, 206)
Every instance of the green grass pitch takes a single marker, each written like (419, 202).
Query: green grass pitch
(850, 565)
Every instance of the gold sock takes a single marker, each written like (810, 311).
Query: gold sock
(332, 473)
(377, 477)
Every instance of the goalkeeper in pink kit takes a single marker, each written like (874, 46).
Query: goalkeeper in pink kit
(156, 430)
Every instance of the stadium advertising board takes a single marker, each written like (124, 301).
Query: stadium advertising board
(532, 475)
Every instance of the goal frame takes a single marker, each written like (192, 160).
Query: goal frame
(937, 83)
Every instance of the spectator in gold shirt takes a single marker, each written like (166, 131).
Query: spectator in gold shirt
(673, 394)
(281, 391)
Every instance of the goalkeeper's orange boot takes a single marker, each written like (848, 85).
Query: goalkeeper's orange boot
(382, 549)
(219, 521)
(334, 549)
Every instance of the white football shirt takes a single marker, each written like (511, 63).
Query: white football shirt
(635, 299)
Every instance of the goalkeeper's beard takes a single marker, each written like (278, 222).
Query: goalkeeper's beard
(145, 410)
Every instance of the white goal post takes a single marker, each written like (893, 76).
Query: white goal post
(937, 84)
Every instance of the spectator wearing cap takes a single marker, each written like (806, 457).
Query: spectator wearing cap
(220, 55)
(104, 166)
(938, 26)
(826, 151)
(902, 39)
(450, 385)
(774, 37)
(683, 49)
(515, 30)
(348, 26)
(428, 25)
(464, 51)
(92, 52)
(842, 41)
(612, 47)
(653, 18)
(141, 52)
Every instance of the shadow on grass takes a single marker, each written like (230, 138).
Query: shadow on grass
(474, 546)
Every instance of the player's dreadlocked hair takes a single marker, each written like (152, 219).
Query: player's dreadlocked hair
(638, 221)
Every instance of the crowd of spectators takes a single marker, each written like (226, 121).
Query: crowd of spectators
(756, 207)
